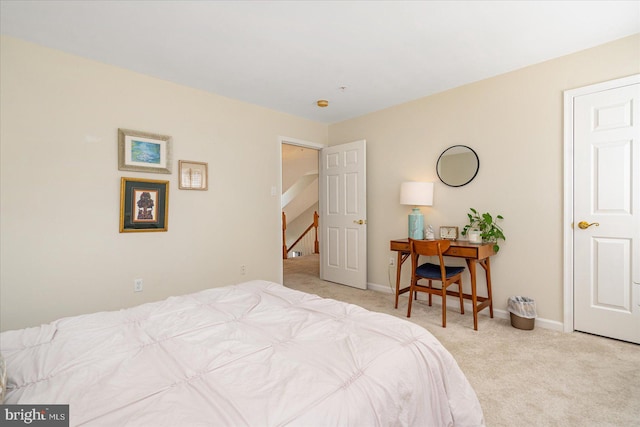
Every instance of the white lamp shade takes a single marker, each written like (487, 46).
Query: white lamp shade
(416, 193)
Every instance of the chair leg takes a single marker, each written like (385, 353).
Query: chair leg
(460, 293)
(430, 293)
(444, 306)
(411, 291)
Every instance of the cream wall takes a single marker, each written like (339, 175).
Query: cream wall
(515, 124)
(61, 252)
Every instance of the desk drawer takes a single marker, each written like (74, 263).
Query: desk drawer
(400, 246)
(462, 252)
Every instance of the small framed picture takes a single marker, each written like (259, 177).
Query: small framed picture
(144, 205)
(143, 152)
(449, 232)
(192, 175)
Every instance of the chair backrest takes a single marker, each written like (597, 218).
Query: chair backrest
(428, 248)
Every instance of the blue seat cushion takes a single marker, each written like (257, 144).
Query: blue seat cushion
(432, 271)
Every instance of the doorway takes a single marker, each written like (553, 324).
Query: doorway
(299, 202)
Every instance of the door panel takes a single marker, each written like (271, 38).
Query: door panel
(332, 195)
(343, 215)
(351, 180)
(607, 252)
(612, 290)
(333, 247)
(613, 171)
(353, 236)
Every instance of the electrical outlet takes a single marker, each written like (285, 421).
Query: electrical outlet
(137, 285)
(392, 261)
(243, 270)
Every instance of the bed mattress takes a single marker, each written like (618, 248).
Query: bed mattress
(252, 354)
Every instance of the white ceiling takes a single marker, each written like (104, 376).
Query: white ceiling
(285, 55)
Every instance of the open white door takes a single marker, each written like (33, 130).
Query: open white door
(606, 234)
(343, 214)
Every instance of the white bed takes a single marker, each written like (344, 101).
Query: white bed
(253, 354)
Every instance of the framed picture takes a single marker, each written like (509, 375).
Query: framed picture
(143, 152)
(144, 205)
(449, 232)
(192, 175)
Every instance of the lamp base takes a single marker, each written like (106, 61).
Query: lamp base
(416, 224)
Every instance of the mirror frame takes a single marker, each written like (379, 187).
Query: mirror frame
(475, 173)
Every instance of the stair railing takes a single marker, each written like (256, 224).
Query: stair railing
(314, 226)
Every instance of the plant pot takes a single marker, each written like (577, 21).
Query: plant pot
(475, 236)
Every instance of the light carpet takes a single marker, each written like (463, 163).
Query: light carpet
(522, 378)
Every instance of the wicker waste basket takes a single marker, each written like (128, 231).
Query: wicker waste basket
(523, 312)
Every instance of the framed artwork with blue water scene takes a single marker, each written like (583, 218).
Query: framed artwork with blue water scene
(143, 151)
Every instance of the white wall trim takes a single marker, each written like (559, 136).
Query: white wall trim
(299, 143)
(500, 314)
(567, 223)
(569, 96)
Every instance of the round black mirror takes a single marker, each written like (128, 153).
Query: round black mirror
(457, 165)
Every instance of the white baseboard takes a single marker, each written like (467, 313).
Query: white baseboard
(501, 314)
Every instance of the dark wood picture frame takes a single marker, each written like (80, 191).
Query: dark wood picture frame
(144, 205)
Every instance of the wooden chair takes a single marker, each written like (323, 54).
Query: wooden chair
(428, 271)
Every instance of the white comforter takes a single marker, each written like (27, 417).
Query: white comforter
(254, 354)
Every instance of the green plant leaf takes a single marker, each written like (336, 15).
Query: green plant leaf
(489, 229)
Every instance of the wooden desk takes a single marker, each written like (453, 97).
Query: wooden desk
(472, 253)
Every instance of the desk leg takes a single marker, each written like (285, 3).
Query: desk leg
(486, 264)
(471, 263)
(402, 257)
(398, 273)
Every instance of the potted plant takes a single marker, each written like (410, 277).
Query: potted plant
(490, 231)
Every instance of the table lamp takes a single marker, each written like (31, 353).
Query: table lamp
(416, 194)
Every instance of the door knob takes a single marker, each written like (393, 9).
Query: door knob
(584, 225)
(360, 221)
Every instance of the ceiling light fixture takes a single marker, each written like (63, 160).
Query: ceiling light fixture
(323, 103)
